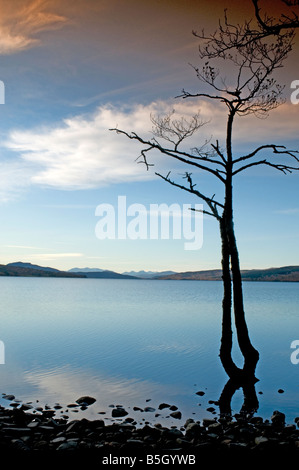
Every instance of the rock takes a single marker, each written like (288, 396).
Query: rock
(136, 408)
(256, 420)
(188, 421)
(86, 400)
(58, 440)
(9, 397)
(278, 418)
(20, 444)
(215, 428)
(193, 428)
(16, 431)
(173, 408)
(26, 407)
(200, 393)
(163, 405)
(207, 422)
(280, 390)
(176, 415)
(69, 445)
(261, 440)
(149, 409)
(118, 412)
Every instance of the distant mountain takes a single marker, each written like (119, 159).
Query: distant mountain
(211, 275)
(85, 270)
(19, 264)
(148, 274)
(283, 274)
(104, 275)
(22, 270)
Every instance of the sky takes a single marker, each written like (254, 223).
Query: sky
(71, 71)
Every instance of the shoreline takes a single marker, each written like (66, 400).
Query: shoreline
(24, 433)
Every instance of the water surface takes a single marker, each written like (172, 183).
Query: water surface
(140, 343)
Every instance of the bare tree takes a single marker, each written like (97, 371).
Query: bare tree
(250, 89)
(270, 25)
(228, 36)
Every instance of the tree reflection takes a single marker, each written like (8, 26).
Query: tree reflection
(250, 403)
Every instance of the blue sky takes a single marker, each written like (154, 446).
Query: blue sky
(73, 70)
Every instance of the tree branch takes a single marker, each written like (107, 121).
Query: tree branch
(268, 146)
(213, 205)
(178, 155)
(283, 168)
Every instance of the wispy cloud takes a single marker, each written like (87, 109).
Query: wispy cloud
(291, 211)
(23, 247)
(81, 153)
(51, 256)
(22, 20)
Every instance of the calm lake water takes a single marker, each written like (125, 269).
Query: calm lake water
(141, 343)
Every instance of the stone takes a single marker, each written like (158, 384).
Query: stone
(278, 418)
(206, 422)
(163, 405)
(69, 445)
(86, 400)
(188, 421)
(176, 415)
(215, 428)
(149, 409)
(58, 440)
(118, 412)
(261, 440)
(200, 393)
(9, 397)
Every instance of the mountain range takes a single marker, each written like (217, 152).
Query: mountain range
(280, 274)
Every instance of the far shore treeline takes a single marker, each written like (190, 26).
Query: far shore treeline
(280, 274)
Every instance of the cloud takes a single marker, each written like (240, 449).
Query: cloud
(82, 153)
(22, 20)
(288, 211)
(14, 179)
(51, 256)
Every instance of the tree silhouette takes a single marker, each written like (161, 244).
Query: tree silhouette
(250, 89)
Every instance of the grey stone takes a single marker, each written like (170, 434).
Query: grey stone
(118, 412)
(176, 415)
(260, 440)
(58, 440)
(86, 400)
(69, 445)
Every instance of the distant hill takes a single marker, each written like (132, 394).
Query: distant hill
(19, 264)
(85, 270)
(148, 274)
(283, 274)
(39, 271)
(104, 275)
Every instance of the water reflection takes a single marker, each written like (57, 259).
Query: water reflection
(250, 403)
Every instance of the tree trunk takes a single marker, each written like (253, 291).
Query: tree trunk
(226, 338)
(251, 355)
